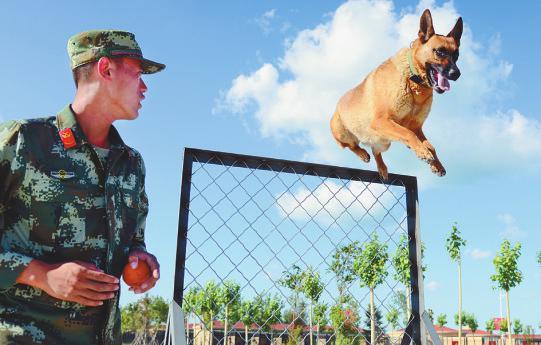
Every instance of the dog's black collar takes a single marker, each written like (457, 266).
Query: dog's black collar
(416, 78)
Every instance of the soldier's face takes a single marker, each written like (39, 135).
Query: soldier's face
(129, 88)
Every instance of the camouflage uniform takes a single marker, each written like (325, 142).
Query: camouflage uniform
(61, 204)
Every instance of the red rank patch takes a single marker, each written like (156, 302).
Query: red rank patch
(67, 138)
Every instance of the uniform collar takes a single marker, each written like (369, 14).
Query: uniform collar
(66, 119)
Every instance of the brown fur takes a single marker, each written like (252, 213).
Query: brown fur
(387, 106)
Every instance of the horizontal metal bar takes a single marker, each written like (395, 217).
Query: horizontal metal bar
(304, 168)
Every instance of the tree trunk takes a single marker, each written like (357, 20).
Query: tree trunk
(226, 329)
(508, 318)
(317, 336)
(459, 303)
(211, 335)
(311, 333)
(204, 328)
(372, 319)
(246, 335)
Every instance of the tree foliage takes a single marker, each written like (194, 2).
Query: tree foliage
(320, 314)
(517, 326)
(145, 315)
(506, 264)
(442, 320)
(454, 243)
(342, 265)
(229, 300)
(369, 264)
(392, 318)
(489, 325)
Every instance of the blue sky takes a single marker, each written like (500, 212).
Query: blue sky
(262, 78)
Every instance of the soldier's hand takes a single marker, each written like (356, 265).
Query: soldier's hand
(154, 266)
(80, 282)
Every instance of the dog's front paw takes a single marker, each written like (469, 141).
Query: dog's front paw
(437, 168)
(424, 154)
(383, 173)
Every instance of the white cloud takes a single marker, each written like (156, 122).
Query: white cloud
(264, 21)
(478, 254)
(329, 201)
(511, 231)
(433, 285)
(294, 99)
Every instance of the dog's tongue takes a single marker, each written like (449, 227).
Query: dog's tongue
(443, 83)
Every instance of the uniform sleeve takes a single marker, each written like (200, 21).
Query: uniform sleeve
(138, 241)
(11, 171)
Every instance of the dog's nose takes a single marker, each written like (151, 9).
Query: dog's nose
(454, 73)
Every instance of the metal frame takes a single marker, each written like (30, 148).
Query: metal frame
(415, 326)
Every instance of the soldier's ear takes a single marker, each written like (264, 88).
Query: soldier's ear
(104, 67)
(456, 33)
(426, 29)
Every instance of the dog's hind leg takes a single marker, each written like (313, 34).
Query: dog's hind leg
(344, 138)
(382, 168)
(360, 152)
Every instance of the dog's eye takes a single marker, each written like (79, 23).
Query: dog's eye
(439, 53)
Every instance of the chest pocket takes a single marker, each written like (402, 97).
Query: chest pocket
(131, 203)
(65, 212)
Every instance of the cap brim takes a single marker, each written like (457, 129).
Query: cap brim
(150, 67)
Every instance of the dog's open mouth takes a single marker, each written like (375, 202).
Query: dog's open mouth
(439, 82)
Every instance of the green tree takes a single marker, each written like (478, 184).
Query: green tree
(454, 244)
(342, 267)
(430, 313)
(369, 266)
(377, 320)
(528, 334)
(269, 312)
(191, 306)
(392, 318)
(517, 326)
(229, 299)
(442, 320)
(344, 314)
(462, 319)
(345, 320)
(247, 309)
(320, 318)
(144, 316)
(489, 325)
(312, 287)
(504, 326)
(401, 264)
(539, 257)
(507, 273)
(293, 280)
(399, 301)
(208, 301)
(471, 322)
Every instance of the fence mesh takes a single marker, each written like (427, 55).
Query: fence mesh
(276, 252)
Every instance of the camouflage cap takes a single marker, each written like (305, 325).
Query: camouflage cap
(89, 46)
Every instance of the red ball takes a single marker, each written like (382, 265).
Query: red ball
(136, 276)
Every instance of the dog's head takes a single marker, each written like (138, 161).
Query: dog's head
(438, 54)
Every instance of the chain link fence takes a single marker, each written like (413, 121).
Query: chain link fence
(282, 252)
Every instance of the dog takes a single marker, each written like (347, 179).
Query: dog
(393, 101)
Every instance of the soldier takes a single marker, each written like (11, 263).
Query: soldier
(73, 202)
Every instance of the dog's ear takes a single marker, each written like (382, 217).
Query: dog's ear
(456, 33)
(426, 29)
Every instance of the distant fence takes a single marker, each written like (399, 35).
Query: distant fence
(276, 249)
